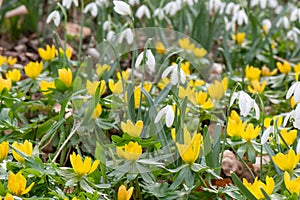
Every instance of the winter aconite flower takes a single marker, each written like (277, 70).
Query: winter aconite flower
(134, 130)
(83, 168)
(124, 194)
(33, 69)
(100, 69)
(25, 148)
(284, 67)
(65, 75)
(97, 111)
(288, 136)
(46, 87)
(67, 52)
(217, 89)
(203, 100)
(265, 71)
(5, 83)
(131, 151)
(92, 87)
(252, 73)
(190, 149)
(235, 127)
(286, 162)
(255, 188)
(14, 75)
(47, 54)
(293, 186)
(125, 75)
(256, 87)
(160, 48)
(239, 37)
(115, 88)
(17, 184)
(185, 44)
(3, 150)
(250, 133)
(199, 52)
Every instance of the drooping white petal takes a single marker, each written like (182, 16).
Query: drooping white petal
(257, 111)
(121, 8)
(159, 12)
(233, 98)
(143, 10)
(174, 75)
(167, 72)
(286, 118)
(150, 60)
(160, 114)
(265, 136)
(110, 35)
(297, 93)
(92, 8)
(139, 60)
(182, 76)
(67, 3)
(263, 4)
(169, 116)
(53, 16)
(298, 147)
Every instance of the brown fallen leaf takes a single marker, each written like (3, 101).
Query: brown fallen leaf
(74, 30)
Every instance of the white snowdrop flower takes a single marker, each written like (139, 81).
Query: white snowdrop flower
(264, 3)
(230, 8)
(53, 16)
(266, 134)
(121, 8)
(293, 34)
(246, 103)
(92, 8)
(134, 2)
(141, 11)
(106, 25)
(168, 112)
(273, 3)
(267, 23)
(216, 6)
(294, 89)
(240, 17)
(295, 15)
(110, 35)
(296, 115)
(102, 3)
(171, 8)
(68, 3)
(190, 3)
(150, 60)
(298, 147)
(228, 24)
(175, 75)
(278, 9)
(127, 34)
(285, 21)
(159, 13)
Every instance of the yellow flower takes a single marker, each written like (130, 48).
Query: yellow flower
(185, 44)
(134, 130)
(255, 187)
(3, 60)
(14, 75)
(3, 150)
(250, 133)
(292, 102)
(83, 168)
(255, 86)
(203, 100)
(293, 186)
(239, 37)
(235, 127)
(11, 61)
(189, 151)
(297, 68)
(65, 75)
(17, 184)
(46, 86)
(289, 137)
(188, 92)
(265, 71)
(286, 162)
(125, 75)
(48, 53)
(131, 151)
(92, 86)
(33, 69)
(62, 52)
(252, 73)
(5, 83)
(101, 68)
(25, 148)
(200, 52)
(115, 88)
(276, 120)
(163, 83)
(8, 196)
(160, 48)
(138, 93)
(186, 67)
(124, 194)
(216, 90)
(97, 111)
(196, 83)
(284, 68)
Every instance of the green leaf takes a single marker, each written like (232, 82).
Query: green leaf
(60, 85)
(242, 188)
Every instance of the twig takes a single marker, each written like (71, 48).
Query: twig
(283, 60)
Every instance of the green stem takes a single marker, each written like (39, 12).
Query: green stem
(81, 32)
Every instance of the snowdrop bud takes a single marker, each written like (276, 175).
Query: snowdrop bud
(121, 8)
(53, 16)
(106, 25)
(102, 3)
(175, 76)
(159, 13)
(293, 34)
(92, 8)
(295, 15)
(143, 10)
(68, 3)
(171, 8)
(168, 111)
(133, 2)
(110, 35)
(128, 35)
(273, 3)
(150, 60)
(278, 9)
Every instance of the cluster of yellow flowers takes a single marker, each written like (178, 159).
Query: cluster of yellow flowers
(186, 44)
